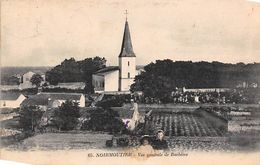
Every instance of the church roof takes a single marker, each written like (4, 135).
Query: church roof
(107, 69)
(127, 48)
(114, 68)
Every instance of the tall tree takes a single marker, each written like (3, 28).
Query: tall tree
(66, 116)
(71, 70)
(30, 117)
(104, 120)
(36, 79)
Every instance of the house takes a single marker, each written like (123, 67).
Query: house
(118, 78)
(130, 117)
(11, 99)
(26, 80)
(53, 100)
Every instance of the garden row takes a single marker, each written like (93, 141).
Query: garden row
(184, 124)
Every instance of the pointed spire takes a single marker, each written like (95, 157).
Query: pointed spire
(127, 48)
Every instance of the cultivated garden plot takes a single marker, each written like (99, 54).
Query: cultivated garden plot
(183, 124)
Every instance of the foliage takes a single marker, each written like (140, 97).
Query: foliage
(114, 101)
(71, 70)
(104, 120)
(89, 88)
(162, 77)
(29, 118)
(36, 80)
(66, 116)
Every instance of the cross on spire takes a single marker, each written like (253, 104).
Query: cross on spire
(126, 14)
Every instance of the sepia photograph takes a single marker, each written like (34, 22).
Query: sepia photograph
(130, 82)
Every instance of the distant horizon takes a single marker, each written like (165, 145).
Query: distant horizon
(146, 64)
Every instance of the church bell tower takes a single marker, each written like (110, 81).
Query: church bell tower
(126, 58)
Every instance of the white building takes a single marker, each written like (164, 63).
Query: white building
(118, 78)
(26, 80)
(11, 99)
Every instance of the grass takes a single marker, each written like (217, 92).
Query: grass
(60, 141)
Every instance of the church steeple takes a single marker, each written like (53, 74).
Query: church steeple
(127, 48)
(126, 61)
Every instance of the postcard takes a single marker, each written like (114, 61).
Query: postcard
(130, 82)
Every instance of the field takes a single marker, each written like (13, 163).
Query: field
(186, 124)
(185, 129)
(61, 141)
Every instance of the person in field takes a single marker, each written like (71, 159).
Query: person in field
(159, 143)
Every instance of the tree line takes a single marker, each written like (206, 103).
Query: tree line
(67, 117)
(159, 79)
(71, 70)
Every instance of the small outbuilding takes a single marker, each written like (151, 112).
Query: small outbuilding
(11, 99)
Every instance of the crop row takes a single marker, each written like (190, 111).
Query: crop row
(184, 124)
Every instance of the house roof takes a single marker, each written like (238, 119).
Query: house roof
(124, 113)
(9, 95)
(44, 98)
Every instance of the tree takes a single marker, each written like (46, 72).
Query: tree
(66, 116)
(36, 80)
(29, 118)
(71, 70)
(159, 79)
(104, 120)
(89, 88)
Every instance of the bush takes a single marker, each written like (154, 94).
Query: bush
(30, 117)
(66, 116)
(104, 120)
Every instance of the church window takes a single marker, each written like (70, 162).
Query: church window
(128, 63)
(128, 75)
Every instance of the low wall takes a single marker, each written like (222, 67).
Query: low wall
(165, 107)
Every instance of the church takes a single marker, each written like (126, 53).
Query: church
(118, 78)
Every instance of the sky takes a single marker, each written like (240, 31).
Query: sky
(44, 33)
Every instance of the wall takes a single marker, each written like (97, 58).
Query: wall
(111, 81)
(26, 80)
(82, 101)
(126, 82)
